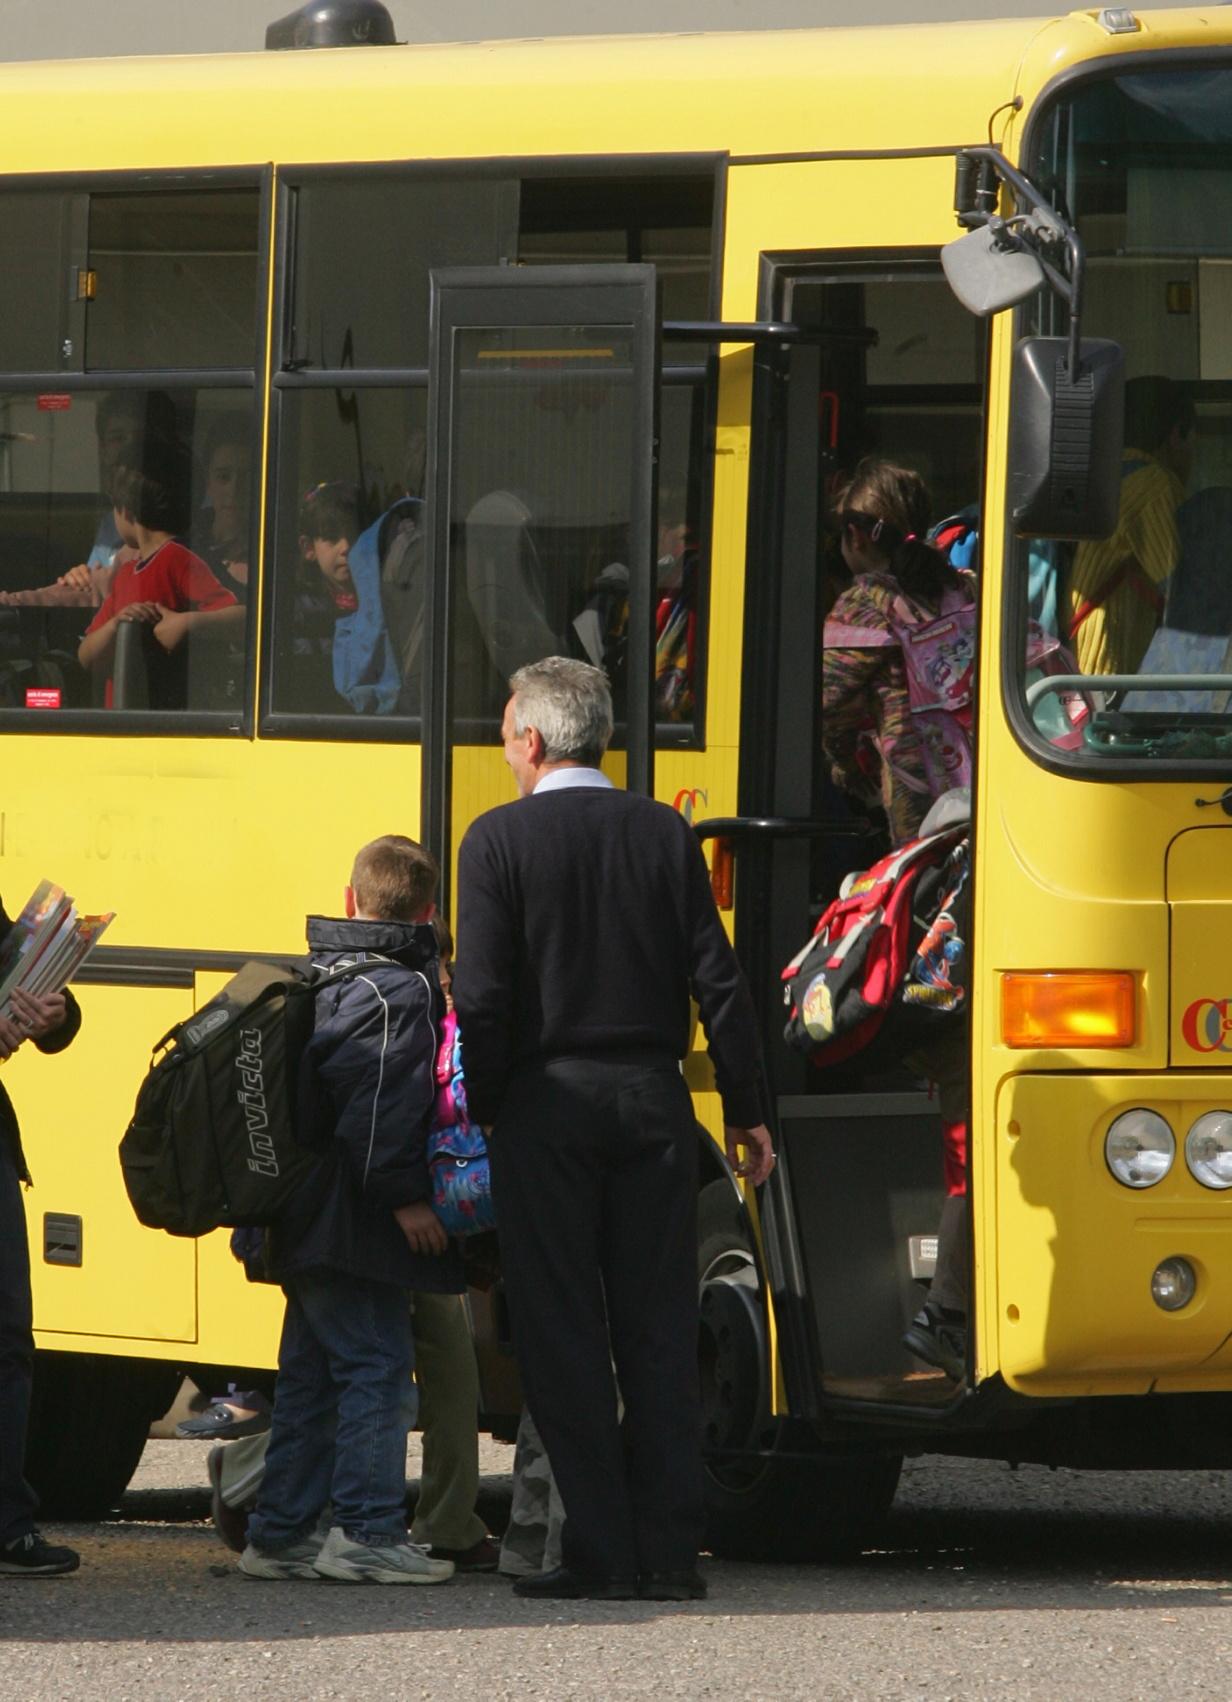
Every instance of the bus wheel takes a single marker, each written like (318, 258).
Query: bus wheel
(772, 1493)
(89, 1420)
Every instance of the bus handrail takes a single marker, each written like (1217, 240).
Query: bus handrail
(763, 827)
(1125, 682)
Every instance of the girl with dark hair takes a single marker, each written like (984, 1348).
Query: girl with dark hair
(880, 748)
(895, 727)
(221, 533)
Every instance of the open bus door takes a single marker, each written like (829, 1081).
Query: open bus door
(848, 1221)
(543, 386)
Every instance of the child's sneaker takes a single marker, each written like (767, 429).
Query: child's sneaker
(30, 1557)
(387, 1563)
(296, 1560)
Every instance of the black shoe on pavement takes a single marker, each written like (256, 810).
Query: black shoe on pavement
(31, 1557)
(685, 1586)
(938, 1336)
(231, 1523)
(221, 1423)
(563, 1585)
(481, 1556)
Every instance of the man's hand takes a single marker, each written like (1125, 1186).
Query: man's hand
(11, 1038)
(38, 1016)
(422, 1228)
(750, 1152)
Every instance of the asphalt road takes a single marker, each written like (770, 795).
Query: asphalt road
(987, 1583)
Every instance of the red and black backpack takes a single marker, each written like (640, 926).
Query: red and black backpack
(886, 960)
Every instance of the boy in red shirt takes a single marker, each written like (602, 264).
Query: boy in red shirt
(167, 587)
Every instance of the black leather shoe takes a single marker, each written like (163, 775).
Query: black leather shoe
(687, 1586)
(563, 1585)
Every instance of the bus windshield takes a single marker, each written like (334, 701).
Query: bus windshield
(1142, 166)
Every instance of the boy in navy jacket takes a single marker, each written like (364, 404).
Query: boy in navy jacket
(351, 1254)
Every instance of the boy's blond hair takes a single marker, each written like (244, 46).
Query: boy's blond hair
(394, 879)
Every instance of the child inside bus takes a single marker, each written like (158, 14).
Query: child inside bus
(324, 595)
(166, 588)
(124, 421)
(900, 581)
(220, 534)
(875, 750)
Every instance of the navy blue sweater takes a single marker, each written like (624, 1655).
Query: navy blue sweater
(586, 921)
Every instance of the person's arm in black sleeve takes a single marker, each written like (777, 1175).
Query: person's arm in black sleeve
(483, 977)
(722, 996)
(56, 1039)
(729, 1021)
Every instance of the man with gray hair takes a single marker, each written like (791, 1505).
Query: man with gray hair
(586, 921)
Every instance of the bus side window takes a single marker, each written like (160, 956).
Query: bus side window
(158, 279)
(348, 565)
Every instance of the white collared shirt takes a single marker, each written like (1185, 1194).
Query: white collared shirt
(562, 779)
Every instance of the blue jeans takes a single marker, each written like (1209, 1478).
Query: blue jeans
(343, 1404)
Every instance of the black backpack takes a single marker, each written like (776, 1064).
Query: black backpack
(213, 1139)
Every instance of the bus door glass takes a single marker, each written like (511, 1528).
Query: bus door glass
(541, 472)
(894, 370)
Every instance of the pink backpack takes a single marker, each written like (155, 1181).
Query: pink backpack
(938, 652)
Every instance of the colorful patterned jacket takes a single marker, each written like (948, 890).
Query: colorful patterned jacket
(867, 732)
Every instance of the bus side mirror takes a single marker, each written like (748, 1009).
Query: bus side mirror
(1066, 438)
(990, 269)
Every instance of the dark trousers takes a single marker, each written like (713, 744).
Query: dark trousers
(594, 1167)
(18, 1502)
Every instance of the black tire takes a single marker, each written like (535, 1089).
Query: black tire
(786, 1498)
(88, 1425)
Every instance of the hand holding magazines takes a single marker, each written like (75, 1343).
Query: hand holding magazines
(47, 944)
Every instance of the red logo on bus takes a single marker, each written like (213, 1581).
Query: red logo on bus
(687, 800)
(1207, 1025)
(42, 697)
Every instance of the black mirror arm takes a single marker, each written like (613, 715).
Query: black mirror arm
(1045, 230)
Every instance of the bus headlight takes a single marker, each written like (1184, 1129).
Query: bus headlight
(1139, 1148)
(1208, 1149)
(1172, 1284)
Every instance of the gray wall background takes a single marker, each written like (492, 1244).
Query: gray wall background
(46, 29)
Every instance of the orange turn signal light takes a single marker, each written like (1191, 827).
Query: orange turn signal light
(1068, 1007)
(723, 873)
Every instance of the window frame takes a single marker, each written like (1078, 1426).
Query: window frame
(768, 698)
(285, 379)
(79, 380)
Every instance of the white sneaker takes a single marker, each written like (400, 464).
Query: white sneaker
(298, 1560)
(386, 1563)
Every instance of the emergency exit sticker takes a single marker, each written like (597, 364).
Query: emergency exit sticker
(54, 403)
(42, 697)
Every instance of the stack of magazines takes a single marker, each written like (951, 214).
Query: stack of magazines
(47, 945)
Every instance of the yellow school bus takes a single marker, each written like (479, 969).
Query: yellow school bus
(573, 335)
